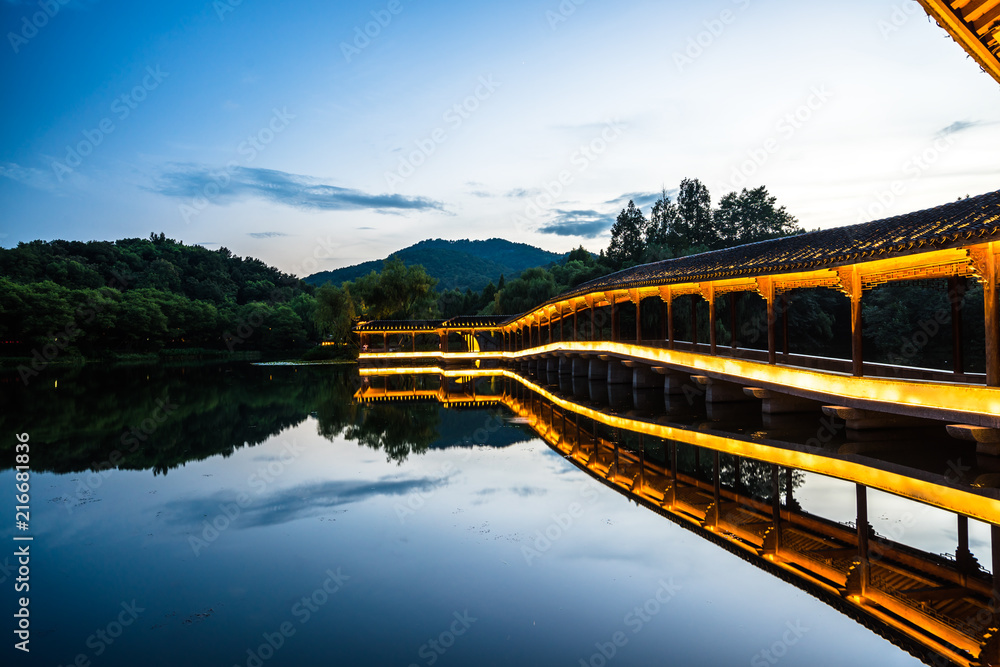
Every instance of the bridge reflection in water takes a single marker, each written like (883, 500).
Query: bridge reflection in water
(735, 487)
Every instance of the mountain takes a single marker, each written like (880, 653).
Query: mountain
(462, 264)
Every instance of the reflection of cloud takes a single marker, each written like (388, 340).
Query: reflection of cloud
(293, 503)
(587, 223)
(238, 183)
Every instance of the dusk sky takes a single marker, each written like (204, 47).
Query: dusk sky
(285, 132)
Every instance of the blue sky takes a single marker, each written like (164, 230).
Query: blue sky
(285, 132)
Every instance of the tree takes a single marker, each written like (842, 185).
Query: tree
(750, 216)
(662, 221)
(693, 226)
(335, 313)
(627, 237)
(399, 292)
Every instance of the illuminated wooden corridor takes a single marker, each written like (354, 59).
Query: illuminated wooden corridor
(580, 332)
(736, 491)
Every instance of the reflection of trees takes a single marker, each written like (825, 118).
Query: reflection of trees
(398, 430)
(86, 422)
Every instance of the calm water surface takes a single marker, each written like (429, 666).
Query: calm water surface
(257, 516)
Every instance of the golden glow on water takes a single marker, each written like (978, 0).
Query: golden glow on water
(953, 499)
(947, 626)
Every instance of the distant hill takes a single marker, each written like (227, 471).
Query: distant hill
(459, 265)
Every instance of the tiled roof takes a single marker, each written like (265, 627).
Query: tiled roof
(931, 229)
(460, 322)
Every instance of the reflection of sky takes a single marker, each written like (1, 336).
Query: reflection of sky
(444, 532)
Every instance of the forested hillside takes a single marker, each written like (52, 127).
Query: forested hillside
(456, 265)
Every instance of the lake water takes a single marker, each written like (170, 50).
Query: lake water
(259, 515)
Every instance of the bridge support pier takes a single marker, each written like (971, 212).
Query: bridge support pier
(775, 403)
(618, 373)
(863, 420)
(987, 439)
(552, 365)
(643, 377)
(580, 367)
(720, 391)
(565, 366)
(598, 370)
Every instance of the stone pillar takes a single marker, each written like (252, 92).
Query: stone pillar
(598, 370)
(643, 377)
(580, 367)
(720, 391)
(618, 373)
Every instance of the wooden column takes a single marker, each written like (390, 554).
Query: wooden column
(852, 285)
(593, 329)
(614, 321)
(711, 318)
(785, 303)
(862, 524)
(732, 321)
(668, 309)
(575, 334)
(995, 542)
(638, 319)
(694, 321)
(642, 463)
(956, 294)
(775, 495)
(984, 257)
(766, 288)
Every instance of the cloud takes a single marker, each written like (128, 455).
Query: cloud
(958, 126)
(640, 199)
(480, 193)
(521, 193)
(192, 181)
(265, 235)
(586, 223)
(40, 179)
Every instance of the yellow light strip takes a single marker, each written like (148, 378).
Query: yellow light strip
(947, 498)
(963, 398)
